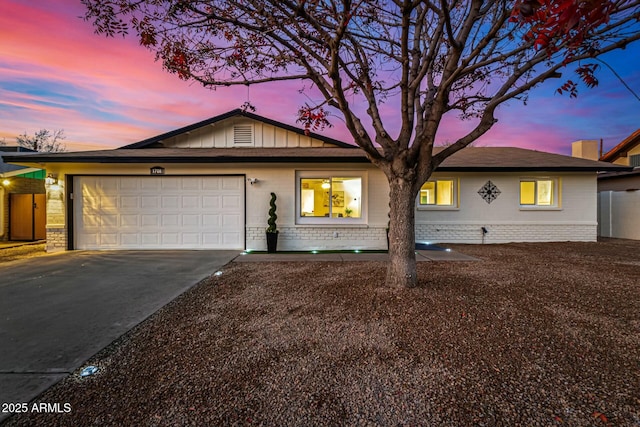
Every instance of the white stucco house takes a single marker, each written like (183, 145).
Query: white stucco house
(208, 185)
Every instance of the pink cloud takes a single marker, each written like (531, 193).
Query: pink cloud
(111, 92)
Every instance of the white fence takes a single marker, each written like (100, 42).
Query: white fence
(619, 214)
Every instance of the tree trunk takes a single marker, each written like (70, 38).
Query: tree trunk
(401, 271)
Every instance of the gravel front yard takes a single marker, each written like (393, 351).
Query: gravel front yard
(535, 334)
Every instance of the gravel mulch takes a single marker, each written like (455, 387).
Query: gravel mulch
(534, 334)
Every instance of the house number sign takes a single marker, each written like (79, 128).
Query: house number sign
(157, 170)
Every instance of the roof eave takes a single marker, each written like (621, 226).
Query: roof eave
(626, 144)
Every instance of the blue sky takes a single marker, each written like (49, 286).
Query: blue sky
(105, 93)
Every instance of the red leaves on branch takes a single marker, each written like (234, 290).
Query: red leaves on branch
(176, 60)
(587, 75)
(569, 86)
(313, 119)
(146, 31)
(553, 23)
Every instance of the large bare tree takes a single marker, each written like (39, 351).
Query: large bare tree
(427, 59)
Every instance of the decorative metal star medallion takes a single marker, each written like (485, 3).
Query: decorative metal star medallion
(489, 192)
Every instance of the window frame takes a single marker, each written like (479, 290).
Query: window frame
(330, 174)
(556, 193)
(455, 197)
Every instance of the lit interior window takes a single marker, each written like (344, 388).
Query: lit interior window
(437, 193)
(527, 192)
(537, 192)
(334, 197)
(545, 193)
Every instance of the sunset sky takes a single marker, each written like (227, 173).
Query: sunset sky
(55, 73)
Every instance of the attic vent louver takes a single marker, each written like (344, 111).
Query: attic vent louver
(243, 134)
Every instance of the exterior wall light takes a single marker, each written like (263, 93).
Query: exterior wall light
(6, 182)
(51, 179)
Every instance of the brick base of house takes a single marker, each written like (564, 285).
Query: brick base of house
(56, 239)
(320, 238)
(505, 233)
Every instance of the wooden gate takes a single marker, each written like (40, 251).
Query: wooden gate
(28, 216)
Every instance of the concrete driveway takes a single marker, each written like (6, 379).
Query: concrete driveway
(56, 311)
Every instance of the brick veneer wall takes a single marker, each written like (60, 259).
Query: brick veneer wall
(306, 238)
(56, 239)
(17, 185)
(503, 233)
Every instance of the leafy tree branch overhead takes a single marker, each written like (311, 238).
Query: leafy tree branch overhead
(427, 59)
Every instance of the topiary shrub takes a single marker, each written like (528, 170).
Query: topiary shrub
(272, 228)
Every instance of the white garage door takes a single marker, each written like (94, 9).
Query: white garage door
(159, 212)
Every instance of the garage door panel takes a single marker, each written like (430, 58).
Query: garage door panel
(191, 239)
(110, 186)
(128, 185)
(109, 220)
(108, 202)
(150, 239)
(149, 202)
(230, 238)
(211, 185)
(199, 212)
(211, 221)
(170, 220)
(149, 220)
(170, 202)
(233, 185)
(149, 184)
(130, 239)
(211, 202)
(129, 202)
(189, 183)
(230, 221)
(108, 239)
(211, 239)
(129, 220)
(169, 183)
(190, 220)
(231, 202)
(191, 202)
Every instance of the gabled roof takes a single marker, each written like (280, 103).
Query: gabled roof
(621, 149)
(147, 143)
(496, 159)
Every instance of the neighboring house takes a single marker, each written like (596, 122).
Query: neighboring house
(618, 191)
(208, 185)
(22, 198)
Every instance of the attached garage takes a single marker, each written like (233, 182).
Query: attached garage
(159, 212)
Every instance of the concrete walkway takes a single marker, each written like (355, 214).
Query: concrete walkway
(58, 311)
